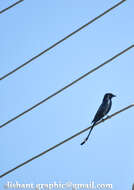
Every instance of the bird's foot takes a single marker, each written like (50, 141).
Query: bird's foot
(108, 116)
(103, 120)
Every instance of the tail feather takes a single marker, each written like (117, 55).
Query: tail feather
(85, 140)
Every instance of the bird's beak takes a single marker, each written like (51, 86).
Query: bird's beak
(114, 95)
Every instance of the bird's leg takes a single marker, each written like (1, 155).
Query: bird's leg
(103, 119)
(107, 116)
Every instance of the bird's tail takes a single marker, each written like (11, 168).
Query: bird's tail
(85, 140)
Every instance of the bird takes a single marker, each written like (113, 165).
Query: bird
(102, 111)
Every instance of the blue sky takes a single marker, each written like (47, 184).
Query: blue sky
(26, 30)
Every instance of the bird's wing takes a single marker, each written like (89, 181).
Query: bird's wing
(100, 113)
(108, 107)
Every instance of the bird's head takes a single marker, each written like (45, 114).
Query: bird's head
(109, 96)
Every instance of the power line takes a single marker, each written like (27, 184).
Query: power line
(64, 141)
(67, 86)
(13, 5)
(60, 41)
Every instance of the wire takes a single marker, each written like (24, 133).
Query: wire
(64, 141)
(60, 41)
(67, 86)
(13, 5)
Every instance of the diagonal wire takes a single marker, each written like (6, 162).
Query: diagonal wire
(60, 41)
(64, 141)
(67, 86)
(13, 5)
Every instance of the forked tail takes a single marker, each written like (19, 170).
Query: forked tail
(85, 140)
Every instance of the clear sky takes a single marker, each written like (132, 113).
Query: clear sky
(26, 30)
